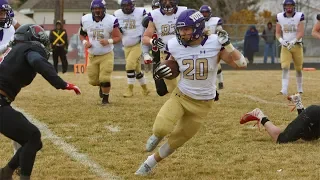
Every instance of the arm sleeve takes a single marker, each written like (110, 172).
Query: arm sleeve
(82, 32)
(43, 67)
(318, 17)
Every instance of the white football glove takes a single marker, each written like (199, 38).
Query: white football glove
(161, 72)
(223, 37)
(147, 58)
(292, 43)
(283, 42)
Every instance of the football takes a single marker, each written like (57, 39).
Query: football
(173, 65)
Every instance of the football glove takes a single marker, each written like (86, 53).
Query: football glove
(157, 42)
(147, 58)
(223, 37)
(292, 43)
(76, 89)
(161, 72)
(283, 42)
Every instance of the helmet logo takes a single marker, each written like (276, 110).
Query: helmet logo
(196, 16)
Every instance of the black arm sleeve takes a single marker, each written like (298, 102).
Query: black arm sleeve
(43, 67)
(145, 21)
(318, 17)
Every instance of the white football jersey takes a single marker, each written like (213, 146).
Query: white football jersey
(131, 26)
(289, 25)
(212, 24)
(198, 67)
(6, 35)
(99, 30)
(165, 25)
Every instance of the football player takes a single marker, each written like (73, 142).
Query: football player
(6, 27)
(146, 48)
(162, 21)
(28, 56)
(103, 31)
(305, 126)
(130, 18)
(212, 24)
(290, 23)
(197, 55)
(316, 28)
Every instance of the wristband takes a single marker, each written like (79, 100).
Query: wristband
(229, 48)
(110, 41)
(84, 42)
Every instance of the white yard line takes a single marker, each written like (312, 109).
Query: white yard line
(69, 149)
(257, 99)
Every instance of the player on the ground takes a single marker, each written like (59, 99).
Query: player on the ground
(162, 21)
(316, 28)
(28, 56)
(149, 61)
(290, 23)
(130, 21)
(212, 24)
(197, 56)
(103, 31)
(306, 126)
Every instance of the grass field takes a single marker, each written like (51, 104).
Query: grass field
(91, 141)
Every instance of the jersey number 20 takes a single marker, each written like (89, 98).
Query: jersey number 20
(199, 65)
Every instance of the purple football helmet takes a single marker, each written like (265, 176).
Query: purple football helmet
(206, 12)
(98, 4)
(6, 14)
(289, 2)
(127, 6)
(190, 18)
(168, 6)
(155, 4)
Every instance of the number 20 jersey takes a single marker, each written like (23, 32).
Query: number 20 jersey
(165, 25)
(99, 30)
(289, 25)
(198, 66)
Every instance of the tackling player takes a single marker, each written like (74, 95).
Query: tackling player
(291, 24)
(103, 31)
(27, 57)
(306, 126)
(197, 56)
(130, 18)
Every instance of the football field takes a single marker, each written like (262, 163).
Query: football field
(84, 140)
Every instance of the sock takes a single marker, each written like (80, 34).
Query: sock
(300, 110)
(285, 81)
(264, 120)
(220, 78)
(151, 161)
(299, 82)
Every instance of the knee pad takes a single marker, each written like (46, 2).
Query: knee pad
(130, 74)
(105, 84)
(139, 75)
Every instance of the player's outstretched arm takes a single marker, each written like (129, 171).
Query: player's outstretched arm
(229, 54)
(43, 67)
(147, 35)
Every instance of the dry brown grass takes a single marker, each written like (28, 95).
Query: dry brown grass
(223, 149)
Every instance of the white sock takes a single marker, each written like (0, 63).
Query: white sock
(151, 161)
(142, 81)
(299, 81)
(131, 80)
(220, 77)
(284, 88)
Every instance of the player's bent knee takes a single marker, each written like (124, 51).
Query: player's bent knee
(35, 139)
(162, 126)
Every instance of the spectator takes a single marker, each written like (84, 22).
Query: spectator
(251, 43)
(269, 37)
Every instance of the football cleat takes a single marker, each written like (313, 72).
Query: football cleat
(255, 115)
(296, 100)
(143, 170)
(152, 143)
